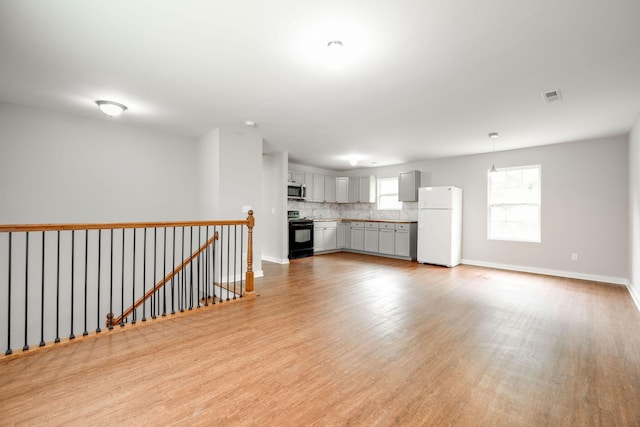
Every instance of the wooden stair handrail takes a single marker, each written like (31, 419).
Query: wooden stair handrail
(111, 321)
(117, 225)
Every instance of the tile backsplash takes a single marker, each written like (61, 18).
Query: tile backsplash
(362, 211)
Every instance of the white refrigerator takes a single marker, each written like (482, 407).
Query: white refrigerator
(440, 226)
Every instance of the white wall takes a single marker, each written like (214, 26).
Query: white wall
(274, 202)
(584, 207)
(230, 177)
(634, 212)
(61, 168)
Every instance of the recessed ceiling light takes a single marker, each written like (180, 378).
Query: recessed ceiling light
(110, 108)
(250, 124)
(353, 162)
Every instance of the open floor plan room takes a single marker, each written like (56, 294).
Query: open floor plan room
(350, 339)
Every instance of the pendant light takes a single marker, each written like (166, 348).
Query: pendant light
(493, 136)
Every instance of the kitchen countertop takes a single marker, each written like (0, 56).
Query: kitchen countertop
(396, 221)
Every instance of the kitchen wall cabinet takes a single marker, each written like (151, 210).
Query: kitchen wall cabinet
(408, 184)
(318, 188)
(367, 189)
(357, 236)
(342, 189)
(295, 177)
(354, 189)
(308, 182)
(330, 189)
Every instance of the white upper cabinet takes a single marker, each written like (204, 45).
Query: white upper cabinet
(318, 188)
(342, 189)
(367, 189)
(408, 184)
(295, 177)
(330, 189)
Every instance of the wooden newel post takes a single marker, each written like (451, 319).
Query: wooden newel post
(251, 223)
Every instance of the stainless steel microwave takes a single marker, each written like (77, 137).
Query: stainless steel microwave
(296, 191)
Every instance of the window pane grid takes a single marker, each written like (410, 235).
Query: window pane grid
(514, 204)
(388, 194)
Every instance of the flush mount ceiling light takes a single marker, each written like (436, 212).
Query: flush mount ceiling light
(335, 44)
(250, 124)
(110, 108)
(493, 136)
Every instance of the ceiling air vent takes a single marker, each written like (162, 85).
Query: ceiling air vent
(552, 96)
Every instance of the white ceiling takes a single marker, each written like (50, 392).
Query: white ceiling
(419, 79)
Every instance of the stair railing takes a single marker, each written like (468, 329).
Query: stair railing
(59, 280)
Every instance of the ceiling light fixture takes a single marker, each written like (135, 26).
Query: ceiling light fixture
(335, 44)
(493, 136)
(110, 108)
(250, 124)
(353, 162)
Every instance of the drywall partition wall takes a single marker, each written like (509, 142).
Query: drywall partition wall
(230, 180)
(62, 168)
(634, 212)
(274, 201)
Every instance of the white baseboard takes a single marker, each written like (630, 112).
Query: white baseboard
(634, 295)
(560, 273)
(275, 260)
(258, 273)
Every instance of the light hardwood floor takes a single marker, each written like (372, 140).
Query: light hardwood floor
(345, 339)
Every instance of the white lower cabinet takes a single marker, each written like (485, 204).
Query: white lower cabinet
(325, 236)
(357, 236)
(392, 239)
(344, 235)
(386, 239)
(402, 243)
(371, 236)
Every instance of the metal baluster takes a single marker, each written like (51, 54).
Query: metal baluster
(206, 268)
(98, 330)
(26, 294)
(173, 266)
(42, 297)
(213, 267)
(241, 258)
(164, 274)
(133, 284)
(191, 270)
(235, 260)
(86, 271)
(228, 258)
(57, 340)
(144, 277)
(182, 277)
(153, 295)
(221, 299)
(73, 257)
(198, 265)
(111, 283)
(122, 282)
(9, 351)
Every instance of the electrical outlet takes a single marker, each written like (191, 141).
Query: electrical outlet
(574, 257)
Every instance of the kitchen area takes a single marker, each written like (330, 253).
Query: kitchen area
(340, 214)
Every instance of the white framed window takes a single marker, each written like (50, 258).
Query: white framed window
(388, 194)
(514, 204)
